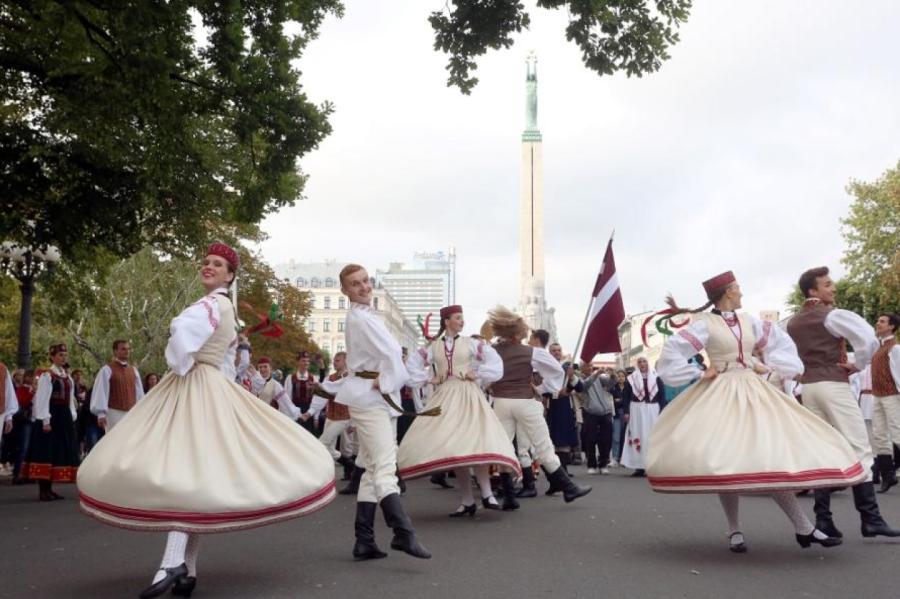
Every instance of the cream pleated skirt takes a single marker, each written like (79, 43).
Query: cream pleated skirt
(201, 454)
(466, 433)
(738, 434)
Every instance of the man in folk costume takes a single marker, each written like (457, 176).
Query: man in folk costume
(300, 388)
(117, 387)
(337, 416)
(265, 387)
(641, 413)
(886, 393)
(820, 330)
(371, 392)
(515, 406)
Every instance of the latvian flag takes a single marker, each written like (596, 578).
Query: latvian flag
(607, 312)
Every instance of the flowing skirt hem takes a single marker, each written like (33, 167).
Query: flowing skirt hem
(759, 482)
(444, 464)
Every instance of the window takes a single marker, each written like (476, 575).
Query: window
(311, 326)
(375, 303)
(326, 326)
(301, 282)
(329, 282)
(328, 302)
(340, 346)
(341, 325)
(312, 301)
(315, 282)
(342, 303)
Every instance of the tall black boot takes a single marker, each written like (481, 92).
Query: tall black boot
(885, 465)
(352, 487)
(876, 473)
(872, 522)
(509, 494)
(400, 482)
(553, 489)
(564, 460)
(528, 489)
(348, 463)
(404, 535)
(365, 547)
(822, 508)
(570, 490)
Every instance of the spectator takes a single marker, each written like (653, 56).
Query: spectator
(151, 379)
(597, 412)
(621, 392)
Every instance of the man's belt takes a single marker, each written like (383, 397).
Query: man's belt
(371, 375)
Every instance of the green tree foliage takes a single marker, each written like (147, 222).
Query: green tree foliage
(614, 35)
(129, 123)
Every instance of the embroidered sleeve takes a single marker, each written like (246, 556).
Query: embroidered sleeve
(189, 331)
(417, 365)
(674, 366)
(489, 365)
(777, 348)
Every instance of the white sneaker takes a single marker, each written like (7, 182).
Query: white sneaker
(613, 464)
(604, 471)
(592, 471)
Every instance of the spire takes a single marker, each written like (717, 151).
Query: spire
(532, 133)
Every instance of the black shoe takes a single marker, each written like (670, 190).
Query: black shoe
(527, 489)
(873, 524)
(465, 510)
(185, 586)
(490, 505)
(828, 527)
(885, 465)
(639, 473)
(807, 540)
(158, 588)
(571, 491)
(822, 508)
(441, 480)
(509, 498)
(740, 547)
(352, 487)
(365, 547)
(404, 535)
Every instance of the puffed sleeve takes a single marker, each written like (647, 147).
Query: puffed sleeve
(489, 364)
(41, 405)
(73, 403)
(100, 392)
(418, 365)
(138, 385)
(549, 368)
(392, 373)
(777, 348)
(12, 404)
(332, 387)
(674, 365)
(285, 404)
(189, 331)
(243, 352)
(893, 359)
(852, 327)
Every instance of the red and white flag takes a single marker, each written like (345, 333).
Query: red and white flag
(607, 312)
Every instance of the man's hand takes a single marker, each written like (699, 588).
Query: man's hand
(710, 373)
(101, 422)
(305, 416)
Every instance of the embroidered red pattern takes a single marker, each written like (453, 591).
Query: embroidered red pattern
(692, 339)
(764, 339)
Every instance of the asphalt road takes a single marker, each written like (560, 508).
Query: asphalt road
(622, 540)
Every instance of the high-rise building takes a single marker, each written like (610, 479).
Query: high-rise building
(532, 301)
(423, 286)
(325, 324)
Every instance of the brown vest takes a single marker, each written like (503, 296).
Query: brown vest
(516, 381)
(334, 410)
(820, 350)
(121, 387)
(883, 384)
(302, 391)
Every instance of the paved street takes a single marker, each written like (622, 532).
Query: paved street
(621, 541)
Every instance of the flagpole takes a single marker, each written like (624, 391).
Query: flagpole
(587, 314)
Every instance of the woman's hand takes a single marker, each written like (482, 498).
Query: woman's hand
(710, 373)
(760, 368)
(471, 376)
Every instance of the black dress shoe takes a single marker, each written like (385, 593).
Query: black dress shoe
(807, 540)
(185, 586)
(464, 510)
(158, 588)
(488, 504)
(440, 480)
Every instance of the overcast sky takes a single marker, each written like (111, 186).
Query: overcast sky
(735, 155)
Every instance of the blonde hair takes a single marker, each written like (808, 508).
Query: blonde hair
(506, 324)
(349, 270)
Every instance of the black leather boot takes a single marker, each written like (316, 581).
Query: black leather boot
(509, 495)
(158, 588)
(570, 490)
(404, 535)
(822, 508)
(885, 465)
(873, 524)
(352, 487)
(365, 547)
(553, 489)
(440, 479)
(347, 463)
(528, 489)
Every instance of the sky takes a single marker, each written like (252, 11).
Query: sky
(735, 155)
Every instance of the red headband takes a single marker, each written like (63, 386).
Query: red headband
(717, 282)
(60, 347)
(448, 311)
(220, 249)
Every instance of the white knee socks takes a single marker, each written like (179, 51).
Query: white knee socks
(191, 552)
(787, 501)
(176, 544)
(464, 481)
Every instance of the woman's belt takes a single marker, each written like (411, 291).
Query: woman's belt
(371, 375)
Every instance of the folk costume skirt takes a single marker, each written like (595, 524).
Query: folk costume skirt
(738, 434)
(466, 433)
(53, 456)
(201, 454)
(641, 422)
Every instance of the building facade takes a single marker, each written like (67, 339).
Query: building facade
(423, 286)
(325, 323)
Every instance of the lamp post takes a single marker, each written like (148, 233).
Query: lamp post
(25, 264)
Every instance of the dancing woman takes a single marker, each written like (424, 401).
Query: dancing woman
(200, 454)
(467, 434)
(731, 432)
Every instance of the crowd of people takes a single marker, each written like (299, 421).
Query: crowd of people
(156, 452)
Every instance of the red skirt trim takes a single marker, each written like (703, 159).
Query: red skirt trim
(756, 479)
(55, 474)
(477, 459)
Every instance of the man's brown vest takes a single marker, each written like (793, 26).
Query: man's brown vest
(516, 381)
(334, 410)
(302, 392)
(122, 382)
(883, 384)
(819, 350)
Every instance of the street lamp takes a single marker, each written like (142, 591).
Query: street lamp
(25, 264)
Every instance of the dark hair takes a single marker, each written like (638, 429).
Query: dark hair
(147, 379)
(893, 319)
(713, 297)
(542, 336)
(810, 279)
(118, 342)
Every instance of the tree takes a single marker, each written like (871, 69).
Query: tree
(872, 232)
(124, 124)
(614, 35)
